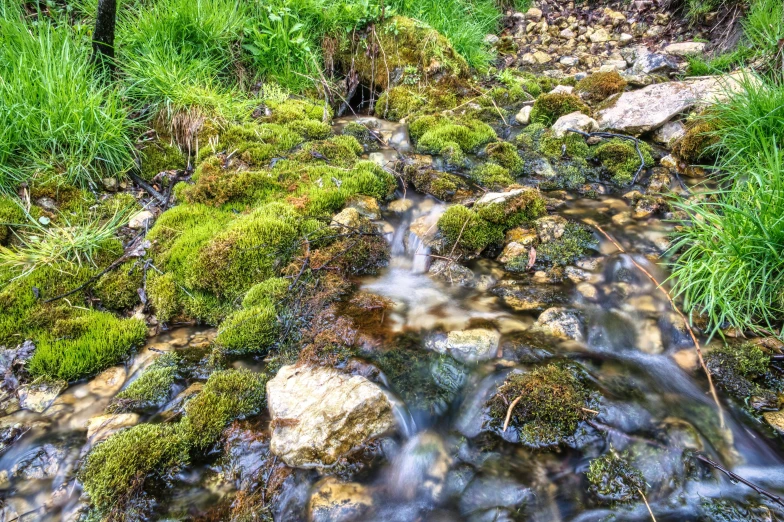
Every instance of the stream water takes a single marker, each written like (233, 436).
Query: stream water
(441, 466)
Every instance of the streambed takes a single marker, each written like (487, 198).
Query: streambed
(442, 464)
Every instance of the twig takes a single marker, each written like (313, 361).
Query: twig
(509, 412)
(621, 136)
(736, 477)
(683, 317)
(149, 188)
(646, 504)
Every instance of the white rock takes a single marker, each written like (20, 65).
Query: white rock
(625, 38)
(560, 322)
(511, 251)
(320, 414)
(566, 34)
(542, 57)
(685, 48)
(142, 219)
(562, 89)
(669, 162)
(569, 61)
(669, 132)
(574, 120)
(476, 344)
(523, 117)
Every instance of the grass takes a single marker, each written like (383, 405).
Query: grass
(54, 117)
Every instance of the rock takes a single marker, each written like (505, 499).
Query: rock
(476, 344)
(567, 34)
(493, 493)
(176, 406)
(650, 338)
(560, 322)
(399, 206)
(141, 220)
(550, 227)
(669, 162)
(569, 61)
(491, 39)
(110, 184)
(562, 89)
(686, 359)
(588, 291)
(669, 132)
(533, 14)
(650, 63)
(335, 501)
(38, 396)
(453, 273)
(523, 117)
(348, 218)
(775, 419)
(625, 38)
(647, 109)
(421, 468)
(511, 251)
(46, 204)
(41, 462)
(542, 57)
(622, 218)
(320, 414)
(576, 275)
(501, 198)
(365, 205)
(685, 48)
(528, 58)
(600, 35)
(613, 65)
(10, 434)
(378, 158)
(524, 297)
(108, 382)
(102, 426)
(574, 120)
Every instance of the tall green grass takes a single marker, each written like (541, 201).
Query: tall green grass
(55, 119)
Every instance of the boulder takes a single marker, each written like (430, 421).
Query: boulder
(560, 322)
(320, 414)
(141, 220)
(38, 396)
(653, 63)
(513, 250)
(333, 500)
(685, 48)
(647, 109)
(476, 344)
(574, 120)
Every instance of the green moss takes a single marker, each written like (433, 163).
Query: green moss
(505, 154)
(432, 133)
(256, 143)
(514, 211)
(571, 145)
(118, 470)
(452, 154)
(272, 290)
(399, 102)
(227, 395)
(614, 480)
(251, 330)
(620, 158)
(697, 143)
(551, 407)
(92, 342)
(11, 214)
(362, 134)
(600, 85)
(407, 44)
(118, 289)
(492, 176)
(310, 129)
(214, 185)
(743, 370)
(339, 151)
(549, 107)
(475, 233)
(531, 136)
(442, 185)
(151, 389)
(292, 110)
(162, 293)
(159, 156)
(576, 241)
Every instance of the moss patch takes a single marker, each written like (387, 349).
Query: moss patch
(434, 133)
(11, 214)
(443, 185)
(551, 407)
(600, 85)
(505, 154)
(696, 144)
(523, 207)
(473, 232)
(743, 370)
(619, 157)
(151, 389)
(492, 176)
(159, 156)
(549, 107)
(118, 289)
(614, 480)
(575, 243)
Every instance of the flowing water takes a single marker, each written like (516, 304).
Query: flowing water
(441, 465)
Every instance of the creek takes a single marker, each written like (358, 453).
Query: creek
(441, 465)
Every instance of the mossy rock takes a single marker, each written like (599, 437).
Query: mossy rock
(549, 107)
(413, 52)
(698, 142)
(743, 370)
(492, 176)
(250, 330)
(152, 388)
(257, 143)
(399, 102)
(510, 209)
(158, 156)
(432, 133)
(365, 136)
(294, 110)
(463, 226)
(116, 473)
(621, 160)
(614, 480)
(443, 185)
(505, 154)
(575, 243)
(552, 403)
(599, 85)
(571, 145)
(215, 186)
(227, 395)
(119, 289)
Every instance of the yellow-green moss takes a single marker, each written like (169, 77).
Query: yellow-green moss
(620, 158)
(11, 215)
(549, 107)
(433, 132)
(695, 145)
(162, 293)
(214, 185)
(255, 143)
(227, 395)
(118, 289)
(571, 145)
(443, 185)
(514, 211)
(399, 102)
(551, 406)
(362, 134)
(272, 290)
(474, 233)
(151, 389)
(118, 470)
(505, 154)
(492, 176)
(614, 480)
(159, 156)
(339, 151)
(576, 241)
(250, 330)
(310, 129)
(295, 110)
(600, 85)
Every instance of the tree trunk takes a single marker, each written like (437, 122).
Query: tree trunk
(103, 37)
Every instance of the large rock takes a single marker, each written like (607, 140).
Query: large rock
(685, 48)
(39, 396)
(321, 414)
(574, 120)
(476, 344)
(647, 109)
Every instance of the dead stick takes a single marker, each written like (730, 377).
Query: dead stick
(683, 317)
(646, 503)
(509, 412)
(734, 476)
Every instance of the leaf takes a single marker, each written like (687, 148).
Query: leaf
(531, 258)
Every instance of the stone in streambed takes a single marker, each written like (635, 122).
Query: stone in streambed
(38, 396)
(560, 322)
(476, 344)
(320, 414)
(102, 426)
(335, 501)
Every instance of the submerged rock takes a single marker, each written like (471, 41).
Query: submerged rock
(320, 414)
(336, 501)
(522, 297)
(38, 396)
(613, 479)
(477, 344)
(103, 426)
(561, 322)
